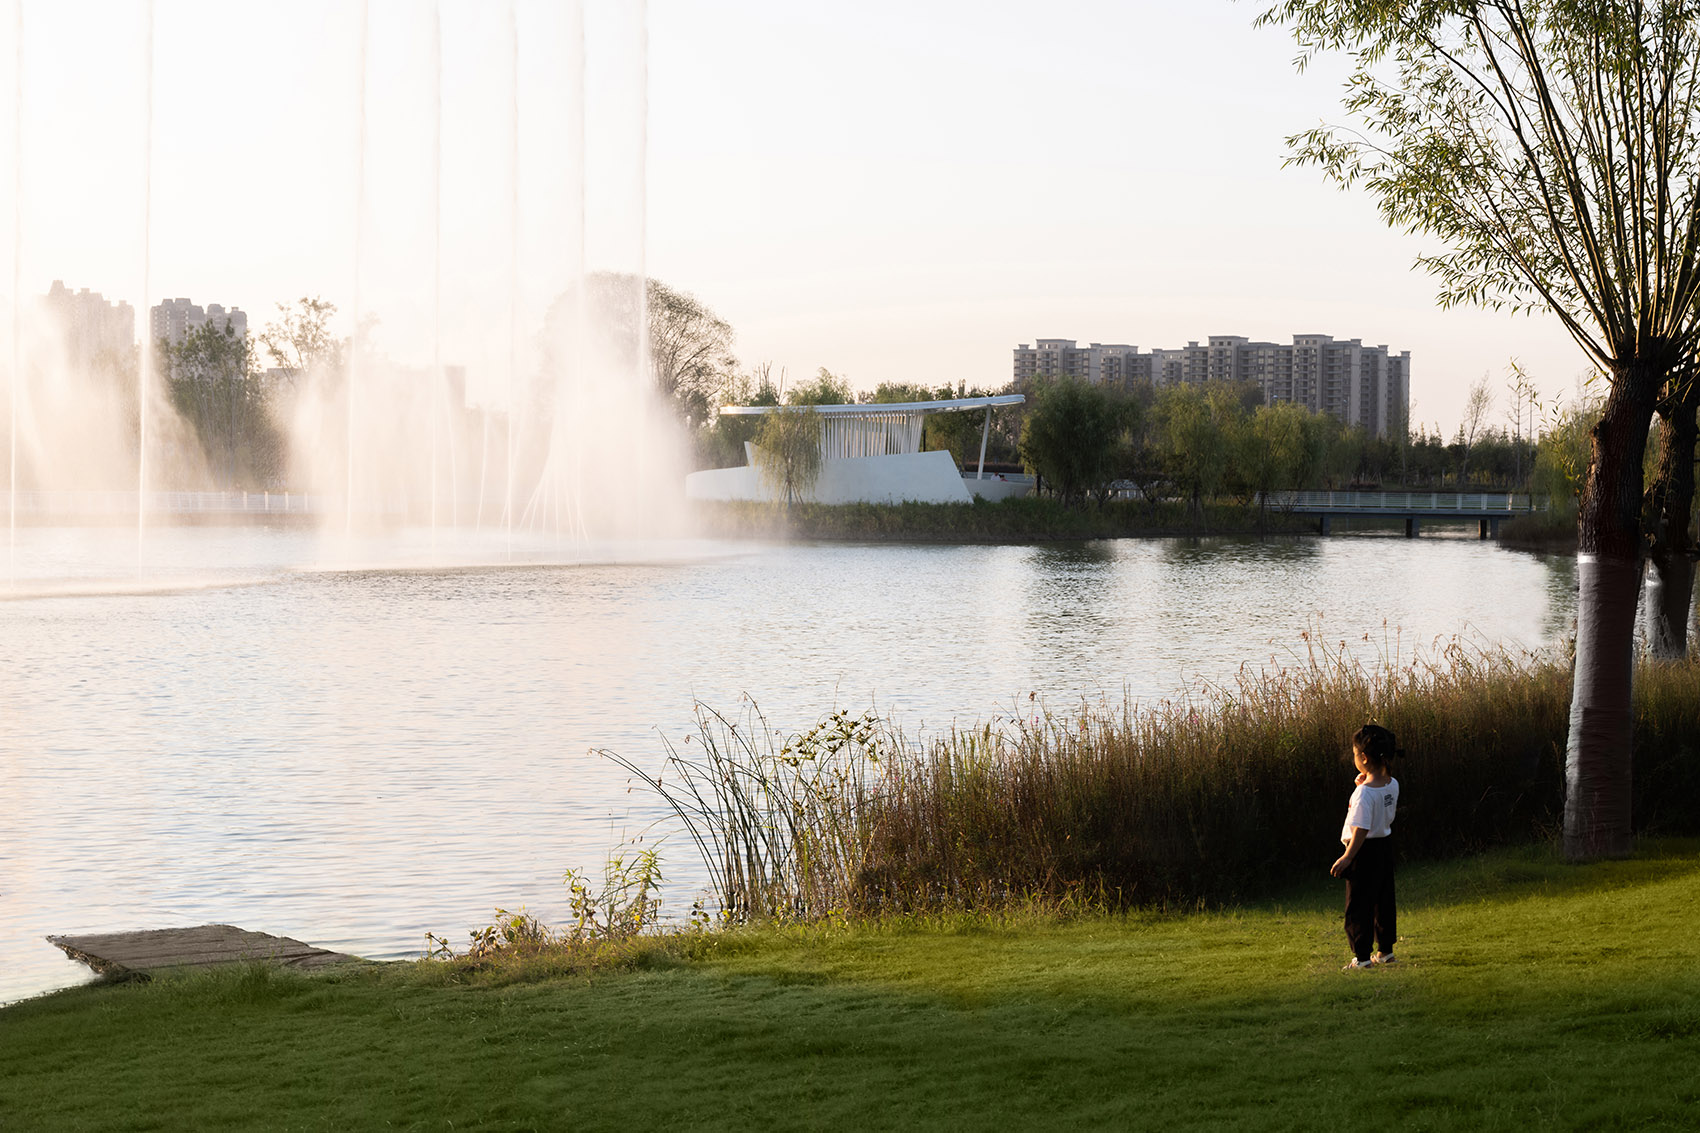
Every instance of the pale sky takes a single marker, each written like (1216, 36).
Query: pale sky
(896, 191)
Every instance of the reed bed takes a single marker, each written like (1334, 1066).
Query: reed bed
(1221, 795)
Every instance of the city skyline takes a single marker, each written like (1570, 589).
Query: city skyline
(897, 194)
(1363, 385)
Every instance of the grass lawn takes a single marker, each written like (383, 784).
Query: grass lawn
(1529, 994)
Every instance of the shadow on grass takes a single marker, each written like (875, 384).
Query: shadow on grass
(1541, 870)
(1507, 873)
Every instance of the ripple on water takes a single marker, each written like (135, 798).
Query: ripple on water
(355, 757)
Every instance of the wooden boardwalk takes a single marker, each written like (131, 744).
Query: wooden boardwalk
(153, 950)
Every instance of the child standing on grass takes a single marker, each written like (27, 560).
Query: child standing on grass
(1367, 863)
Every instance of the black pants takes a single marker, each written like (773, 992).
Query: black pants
(1371, 914)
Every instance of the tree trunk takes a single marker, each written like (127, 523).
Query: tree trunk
(1694, 622)
(1608, 576)
(1670, 582)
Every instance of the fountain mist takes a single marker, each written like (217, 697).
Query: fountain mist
(557, 435)
(145, 362)
(12, 376)
(491, 380)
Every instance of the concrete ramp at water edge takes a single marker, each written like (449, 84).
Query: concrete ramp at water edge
(120, 954)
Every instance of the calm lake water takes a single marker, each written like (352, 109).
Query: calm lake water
(217, 728)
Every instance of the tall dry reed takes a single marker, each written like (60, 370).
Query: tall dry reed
(777, 821)
(1223, 793)
(1219, 795)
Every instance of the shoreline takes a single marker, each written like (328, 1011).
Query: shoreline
(1038, 521)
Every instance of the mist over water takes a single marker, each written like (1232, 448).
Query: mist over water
(483, 412)
(491, 371)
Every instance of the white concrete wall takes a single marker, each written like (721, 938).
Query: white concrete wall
(925, 477)
(995, 488)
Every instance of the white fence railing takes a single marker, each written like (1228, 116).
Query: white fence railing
(119, 503)
(1464, 503)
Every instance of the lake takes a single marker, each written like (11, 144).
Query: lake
(351, 748)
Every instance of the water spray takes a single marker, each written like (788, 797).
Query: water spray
(146, 358)
(359, 249)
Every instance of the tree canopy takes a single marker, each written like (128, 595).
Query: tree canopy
(690, 350)
(1070, 434)
(827, 388)
(214, 383)
(300, 337)
(1553, 146)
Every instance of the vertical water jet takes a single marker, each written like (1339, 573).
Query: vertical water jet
(513, 261)
(17, 278)
(438, 396)
(641, 189)
(145, 358)
(576, 149)
(355, 344)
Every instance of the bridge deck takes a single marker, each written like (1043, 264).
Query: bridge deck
(1425, 505)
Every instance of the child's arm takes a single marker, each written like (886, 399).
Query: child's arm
(1352, 848)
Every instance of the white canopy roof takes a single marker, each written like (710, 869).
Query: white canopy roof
(872, 409)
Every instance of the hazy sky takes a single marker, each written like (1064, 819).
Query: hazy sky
(896, 191)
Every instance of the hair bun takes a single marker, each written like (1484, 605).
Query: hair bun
(1376, 743)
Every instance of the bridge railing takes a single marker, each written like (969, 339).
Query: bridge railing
(1465, 503)
(92, 503)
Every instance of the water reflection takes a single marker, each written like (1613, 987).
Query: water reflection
(356, 757)
(1560, 621)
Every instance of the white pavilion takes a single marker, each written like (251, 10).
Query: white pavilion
(872, 454)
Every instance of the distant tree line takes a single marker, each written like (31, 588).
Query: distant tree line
(1198, 443)
(1202, 443)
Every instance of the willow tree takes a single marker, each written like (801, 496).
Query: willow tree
(1551, 147)
(788, 451)
(1070, 437)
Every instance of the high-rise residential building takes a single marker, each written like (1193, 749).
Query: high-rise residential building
(1050, 358)
(174, 320)
(93, 328)
(1360, 385)
(1115, 363)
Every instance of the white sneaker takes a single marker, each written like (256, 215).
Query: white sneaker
(1358, 965)
(1383, 958)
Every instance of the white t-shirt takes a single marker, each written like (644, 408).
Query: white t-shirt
(1371, 810)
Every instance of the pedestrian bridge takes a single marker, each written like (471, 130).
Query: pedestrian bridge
(1488, 509)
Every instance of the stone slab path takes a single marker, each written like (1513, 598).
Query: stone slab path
(152, 950)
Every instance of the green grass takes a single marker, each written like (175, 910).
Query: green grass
(1531, 995)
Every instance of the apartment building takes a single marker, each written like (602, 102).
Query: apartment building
(1360, 385)
(174, 320)
(92, 327)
